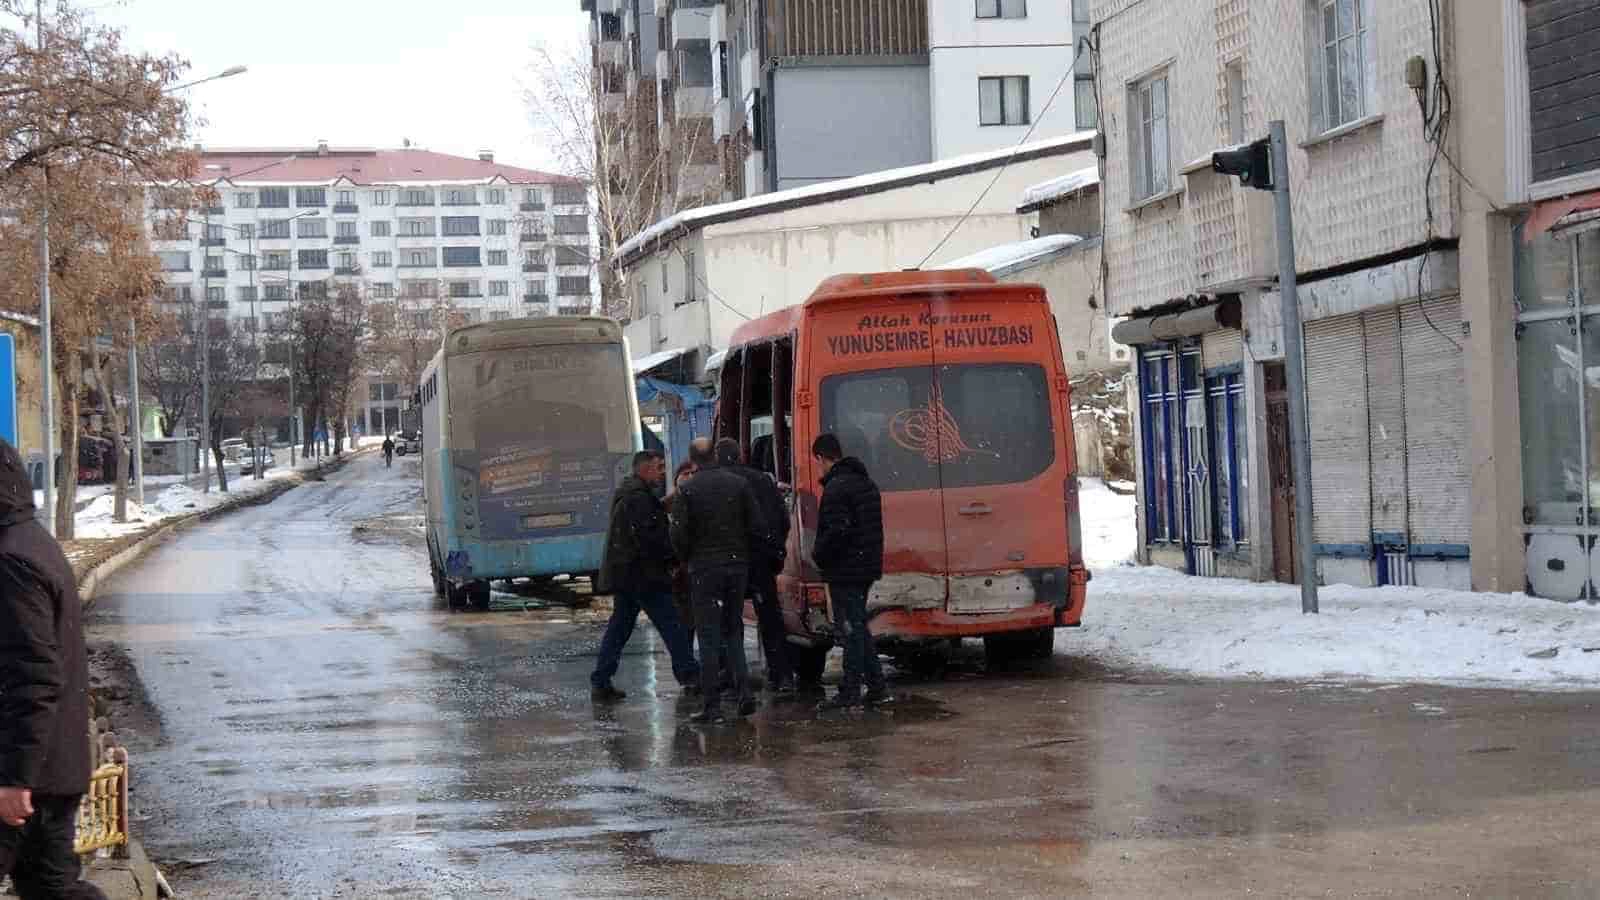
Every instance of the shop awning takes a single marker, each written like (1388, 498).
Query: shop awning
(1180, 324)
(644, 365)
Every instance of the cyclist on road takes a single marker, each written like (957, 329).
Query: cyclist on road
(388, 451)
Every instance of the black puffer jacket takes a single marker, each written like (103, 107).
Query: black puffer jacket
(774, 515)
(716, 520)
(638, 552)
(44, 676)
(849, 545)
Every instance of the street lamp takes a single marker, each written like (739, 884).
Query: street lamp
(225, 73)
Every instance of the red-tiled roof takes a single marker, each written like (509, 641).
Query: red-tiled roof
(363, 166)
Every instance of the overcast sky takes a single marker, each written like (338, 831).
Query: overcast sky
(448, 76)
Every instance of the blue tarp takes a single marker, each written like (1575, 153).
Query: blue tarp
(686, 410)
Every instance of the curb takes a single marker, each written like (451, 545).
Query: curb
(90, 580)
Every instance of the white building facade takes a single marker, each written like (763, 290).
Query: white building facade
(1192, 263)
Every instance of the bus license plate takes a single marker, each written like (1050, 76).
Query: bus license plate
(548, 520)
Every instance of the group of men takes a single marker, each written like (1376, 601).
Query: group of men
(726, 526)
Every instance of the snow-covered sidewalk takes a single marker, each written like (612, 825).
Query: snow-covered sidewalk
(1225, 628)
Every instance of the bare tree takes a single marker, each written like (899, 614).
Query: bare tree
(329, 330)
(169, 368)
(406, 333)
(608, 136)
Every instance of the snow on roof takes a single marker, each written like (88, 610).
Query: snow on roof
(644, 364)
(360, 166)
(19, 318)
(1049, 191)
(1007, 258)
(871, 182)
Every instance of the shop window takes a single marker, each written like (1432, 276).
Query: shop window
(1158, 393)
(1230, 482)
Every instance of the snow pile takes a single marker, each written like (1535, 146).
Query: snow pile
(1109, 537)
(96, 520)
(1017, 255)
(1056, 188)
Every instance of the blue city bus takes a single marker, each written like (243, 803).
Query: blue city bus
(528, 425)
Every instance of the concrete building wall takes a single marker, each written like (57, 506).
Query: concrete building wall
(840, 121)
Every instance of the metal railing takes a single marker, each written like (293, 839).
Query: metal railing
(103, 812)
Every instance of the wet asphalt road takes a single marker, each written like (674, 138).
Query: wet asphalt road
(328, 730)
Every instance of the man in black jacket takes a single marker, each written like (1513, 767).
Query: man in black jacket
(636, 568)
(849, 552)
(765, 564)
(44, 699)
(716, 528)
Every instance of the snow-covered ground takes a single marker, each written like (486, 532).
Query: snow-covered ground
(1225, 628)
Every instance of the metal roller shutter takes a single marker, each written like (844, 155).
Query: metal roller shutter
(1221, 348)
(1386, 424)
(1436, 416)
(1337, 390)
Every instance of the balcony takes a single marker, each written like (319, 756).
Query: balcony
(346, 209)
(347, 239)
(572, 293)
(275, 267)
(213, 273)
(533, 237)
(535, 298)
(1232, 227)
(692, 102)
(213, 242)
(347, 270)
(572, 310)
(212, 211)
(216, 304)
(535, 267)
(403, 202)
(691, 21)
(265, 203)
(527, 206)
(313, 265)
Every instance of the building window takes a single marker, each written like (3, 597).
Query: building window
(1339, 75)
(464, 289)
(346, 229)
(275, 228)
(498, 315)
(383, 290)
(1149, 137)
(573, 285)
(416, 258)
(460, 197)
(1003, 100)
(216, 232)
(1083, 103)
(174, 261)
(571, 256)
(312, 290)
(381, 259)
(217, 294)
(722, 69)
(275, 260)
(1158, 389)
(1230, 479)
(273, 198)
(416, 289)
(381, 228)
(694, 66)
(572, 224)
(413, 197)
(496, 196)
(347, 262)
(690, 277)
(177, 293)
(1002, 9)
(311, 228)
(347, 198)
(533, 196)
(310, 197)
(458, 226)
(275, 292)
(313, 259)
(497, 258)
(499, 288)
(247, 294)
(416, 227)
(247, 263)
(244, 199)
(571, 195)
(461, 256)
(380, 198)
(1233, 76)
(214, 264)
(246, 231)
(497, 226)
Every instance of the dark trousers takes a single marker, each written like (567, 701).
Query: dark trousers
(625, 609)
(718, 593)
(769, 623)
(39, 855)
(850, 623)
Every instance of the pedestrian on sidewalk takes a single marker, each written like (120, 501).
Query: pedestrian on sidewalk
(766, 561)
(635, 570)
(681, 599)
(388, 451)
(848, 552)
(715, 524)
(44, 700)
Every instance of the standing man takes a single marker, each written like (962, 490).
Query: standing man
(766, 561)
(636, 569)
(715, 525)
(388, 451)
(849, 553)
(44, 700)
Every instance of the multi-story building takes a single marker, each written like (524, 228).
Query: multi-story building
(410, 227)
(1192, 262)
(762, 95)
(499, 241)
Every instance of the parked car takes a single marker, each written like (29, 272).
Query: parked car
(233, 449)
(407, 442)
(247, 461)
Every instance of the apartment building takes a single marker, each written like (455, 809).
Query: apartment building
(1192, 265)
(498, 240)
(755, 96)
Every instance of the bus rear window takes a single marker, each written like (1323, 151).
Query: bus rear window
(972, 425)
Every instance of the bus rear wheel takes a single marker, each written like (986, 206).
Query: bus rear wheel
(1036, 644)
(478, 593)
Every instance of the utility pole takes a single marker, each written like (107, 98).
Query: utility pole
(137, 424)
(46, 348)
(205, 358)
(1264, 165)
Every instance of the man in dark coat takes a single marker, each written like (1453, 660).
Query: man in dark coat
(715, 525)
(765, 564)
(44, 699)
(388, 450)
(848, 552)
(636, 569)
